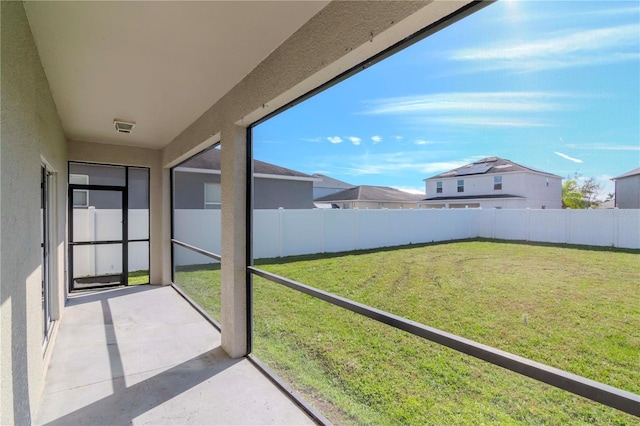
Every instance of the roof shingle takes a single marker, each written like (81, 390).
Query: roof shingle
(211, 160)
(489, 165)
(371, 193)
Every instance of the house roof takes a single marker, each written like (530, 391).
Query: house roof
(371, 193)
(329, 182)
(628, 174)
(487, 166)
(472, 197)
(211, 160)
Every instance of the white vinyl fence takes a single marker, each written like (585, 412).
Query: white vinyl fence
(281, 232)
(106, 224)
(291, 232)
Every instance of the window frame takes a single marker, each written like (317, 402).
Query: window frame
(439, 187)
(212, 203)
(78, 191)
(497, 183)
(460, 185)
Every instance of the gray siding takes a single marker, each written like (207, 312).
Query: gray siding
(628, 192)
(268, 193)
(323, 191)
(276, 193)
(189, 189)
(115, 176)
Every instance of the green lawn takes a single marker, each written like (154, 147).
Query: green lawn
(573, 308)
(139, 277)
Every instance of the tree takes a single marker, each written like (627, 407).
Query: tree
(579, 192)
(571, 195)
(590, 189)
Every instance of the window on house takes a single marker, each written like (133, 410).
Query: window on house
(497, 183)
(212, 195)
(461, 185)
(80, 196)
(439, 187)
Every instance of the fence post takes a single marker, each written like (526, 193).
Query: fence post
(355, 226)
(280, 231)
(91, 225)
(322, 231)
(494, 225)
(616, 227)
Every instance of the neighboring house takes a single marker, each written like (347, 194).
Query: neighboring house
(197, 185)
(494, 183)
(628, 190)
(371, 197)
(98, 174)
(325, 185)
(609, 204)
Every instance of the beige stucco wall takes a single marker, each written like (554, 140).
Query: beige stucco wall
(159, 196)
(31, 132)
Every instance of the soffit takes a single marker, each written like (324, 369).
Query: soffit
(159, 64)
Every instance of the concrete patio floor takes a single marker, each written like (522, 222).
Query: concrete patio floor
(143, 355)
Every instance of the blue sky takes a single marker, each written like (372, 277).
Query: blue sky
(551, 85)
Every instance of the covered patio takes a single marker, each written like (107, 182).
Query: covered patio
(184, 76)
(147, 85)
(143, 355)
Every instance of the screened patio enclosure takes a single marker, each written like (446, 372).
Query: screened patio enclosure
(200, 73)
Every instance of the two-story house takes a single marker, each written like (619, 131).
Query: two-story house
(494, 183)
(628, 190)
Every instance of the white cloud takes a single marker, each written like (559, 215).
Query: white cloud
(376, 139)
(411, 189)
(397, 163)
(423, 142)
(490, 121)
(318, 139)
(355, 140)
(566, 157)
(570, 49)
(469, 101)
(334, 139)
(488, 109)
(398, 137)
(605, 147)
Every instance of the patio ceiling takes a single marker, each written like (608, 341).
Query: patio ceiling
(158, 64)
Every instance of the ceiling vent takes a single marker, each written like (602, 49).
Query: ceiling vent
(123, 126)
